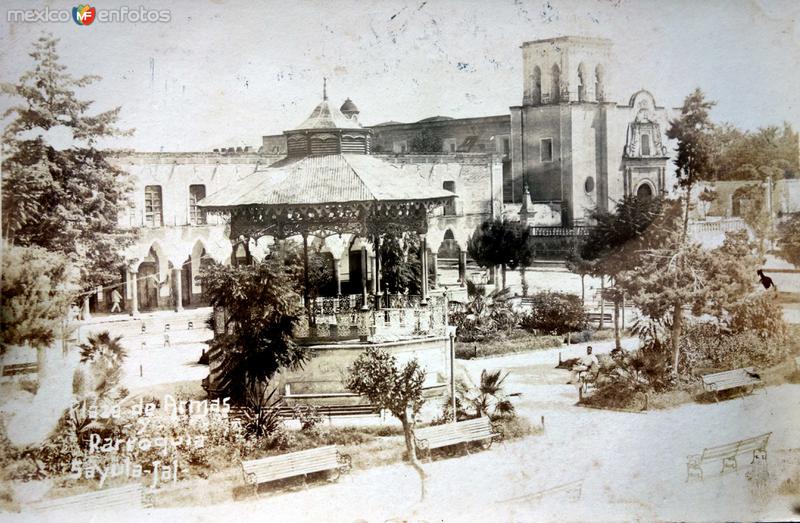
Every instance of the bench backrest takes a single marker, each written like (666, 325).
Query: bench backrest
(292, 464)
(730, 378)
(462, 430)
(737, 447)
(20, 368)
(129, 496)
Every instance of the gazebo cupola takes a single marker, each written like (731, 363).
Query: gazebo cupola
(328, 131)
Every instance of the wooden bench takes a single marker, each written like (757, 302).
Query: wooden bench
(127, 497)
(20, 368)
(294, 464)
(731, 379)
(462, 432)
(574, 488)
(727, 454)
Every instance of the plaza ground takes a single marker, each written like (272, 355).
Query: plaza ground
(633, 464)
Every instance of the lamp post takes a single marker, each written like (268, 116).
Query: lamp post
(451, 331)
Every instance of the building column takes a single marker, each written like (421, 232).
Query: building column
(177, 276)
(337, 275)
(132, 276)
(364, 266)
(423, 254)
(462, 267)
(306, 298)
(376, 278)
(434, 261)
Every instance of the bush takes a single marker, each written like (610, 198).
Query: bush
(555, 313)
(484, 316)
(708, 345)
(760, 313)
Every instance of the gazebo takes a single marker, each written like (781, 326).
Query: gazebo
(328, 187)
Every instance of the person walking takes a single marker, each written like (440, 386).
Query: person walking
(116, 298)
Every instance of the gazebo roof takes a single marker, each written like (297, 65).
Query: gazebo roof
(329, 179)
(326, 117)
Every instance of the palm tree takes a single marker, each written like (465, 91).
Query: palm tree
(105, 356)
(491, 400)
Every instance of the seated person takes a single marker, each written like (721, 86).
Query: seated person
(587, 364)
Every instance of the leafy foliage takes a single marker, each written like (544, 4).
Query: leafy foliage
(261, 307)
(789, 239)
(502, 242)
(426, 142)
(555, 313)
(37, 289)
(376, 375)
(104, 356)
(64, 200)
(695, 146)
(745, 155)
(483, 315)
(401, 268)
(261, 413)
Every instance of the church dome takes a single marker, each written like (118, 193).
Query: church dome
(348, 108)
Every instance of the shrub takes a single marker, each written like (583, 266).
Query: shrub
(308, 416)
(555, 313)
(484, 316)
(760, 313)
(711, 345)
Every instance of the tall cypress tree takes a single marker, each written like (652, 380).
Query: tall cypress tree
(65, 200)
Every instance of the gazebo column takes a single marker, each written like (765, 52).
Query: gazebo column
(376, 278)
(423, 254)
(434, 260)
(305, 277)
(337, 275)
(364, 266)
(462, 267)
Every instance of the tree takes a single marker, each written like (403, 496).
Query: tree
(678, 275)
(401, 268)
(754, 212)
(426, 142)
(377, 375)
(64, 200)
(37, 289)
(502, 242)
(611, 246)
(695, 146)
(105, 355)
(261, 307)
(789, 239)
(745, 155)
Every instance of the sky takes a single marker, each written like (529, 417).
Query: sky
(224, 73)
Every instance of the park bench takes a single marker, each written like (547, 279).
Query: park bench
(574, 488)
(293, 464)
(121, 498)
(20, 368)
(462, 432)
(727, 454)
(731, 379)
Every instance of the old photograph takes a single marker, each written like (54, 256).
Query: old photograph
(400, 261)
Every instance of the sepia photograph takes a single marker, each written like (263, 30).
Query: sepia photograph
(393, 261)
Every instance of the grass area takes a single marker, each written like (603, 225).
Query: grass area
(520, 340)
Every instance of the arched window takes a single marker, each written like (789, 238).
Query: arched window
(555, 84)
(582, 83)
(537, 85)
(599, 79)
(644, 192)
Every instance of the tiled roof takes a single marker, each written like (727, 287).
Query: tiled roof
(338, 178)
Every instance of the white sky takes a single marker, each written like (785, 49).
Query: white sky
(227, 72)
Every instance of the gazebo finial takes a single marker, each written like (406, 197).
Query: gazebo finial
(324, 88)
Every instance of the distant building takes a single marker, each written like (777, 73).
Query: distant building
(565, 151)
